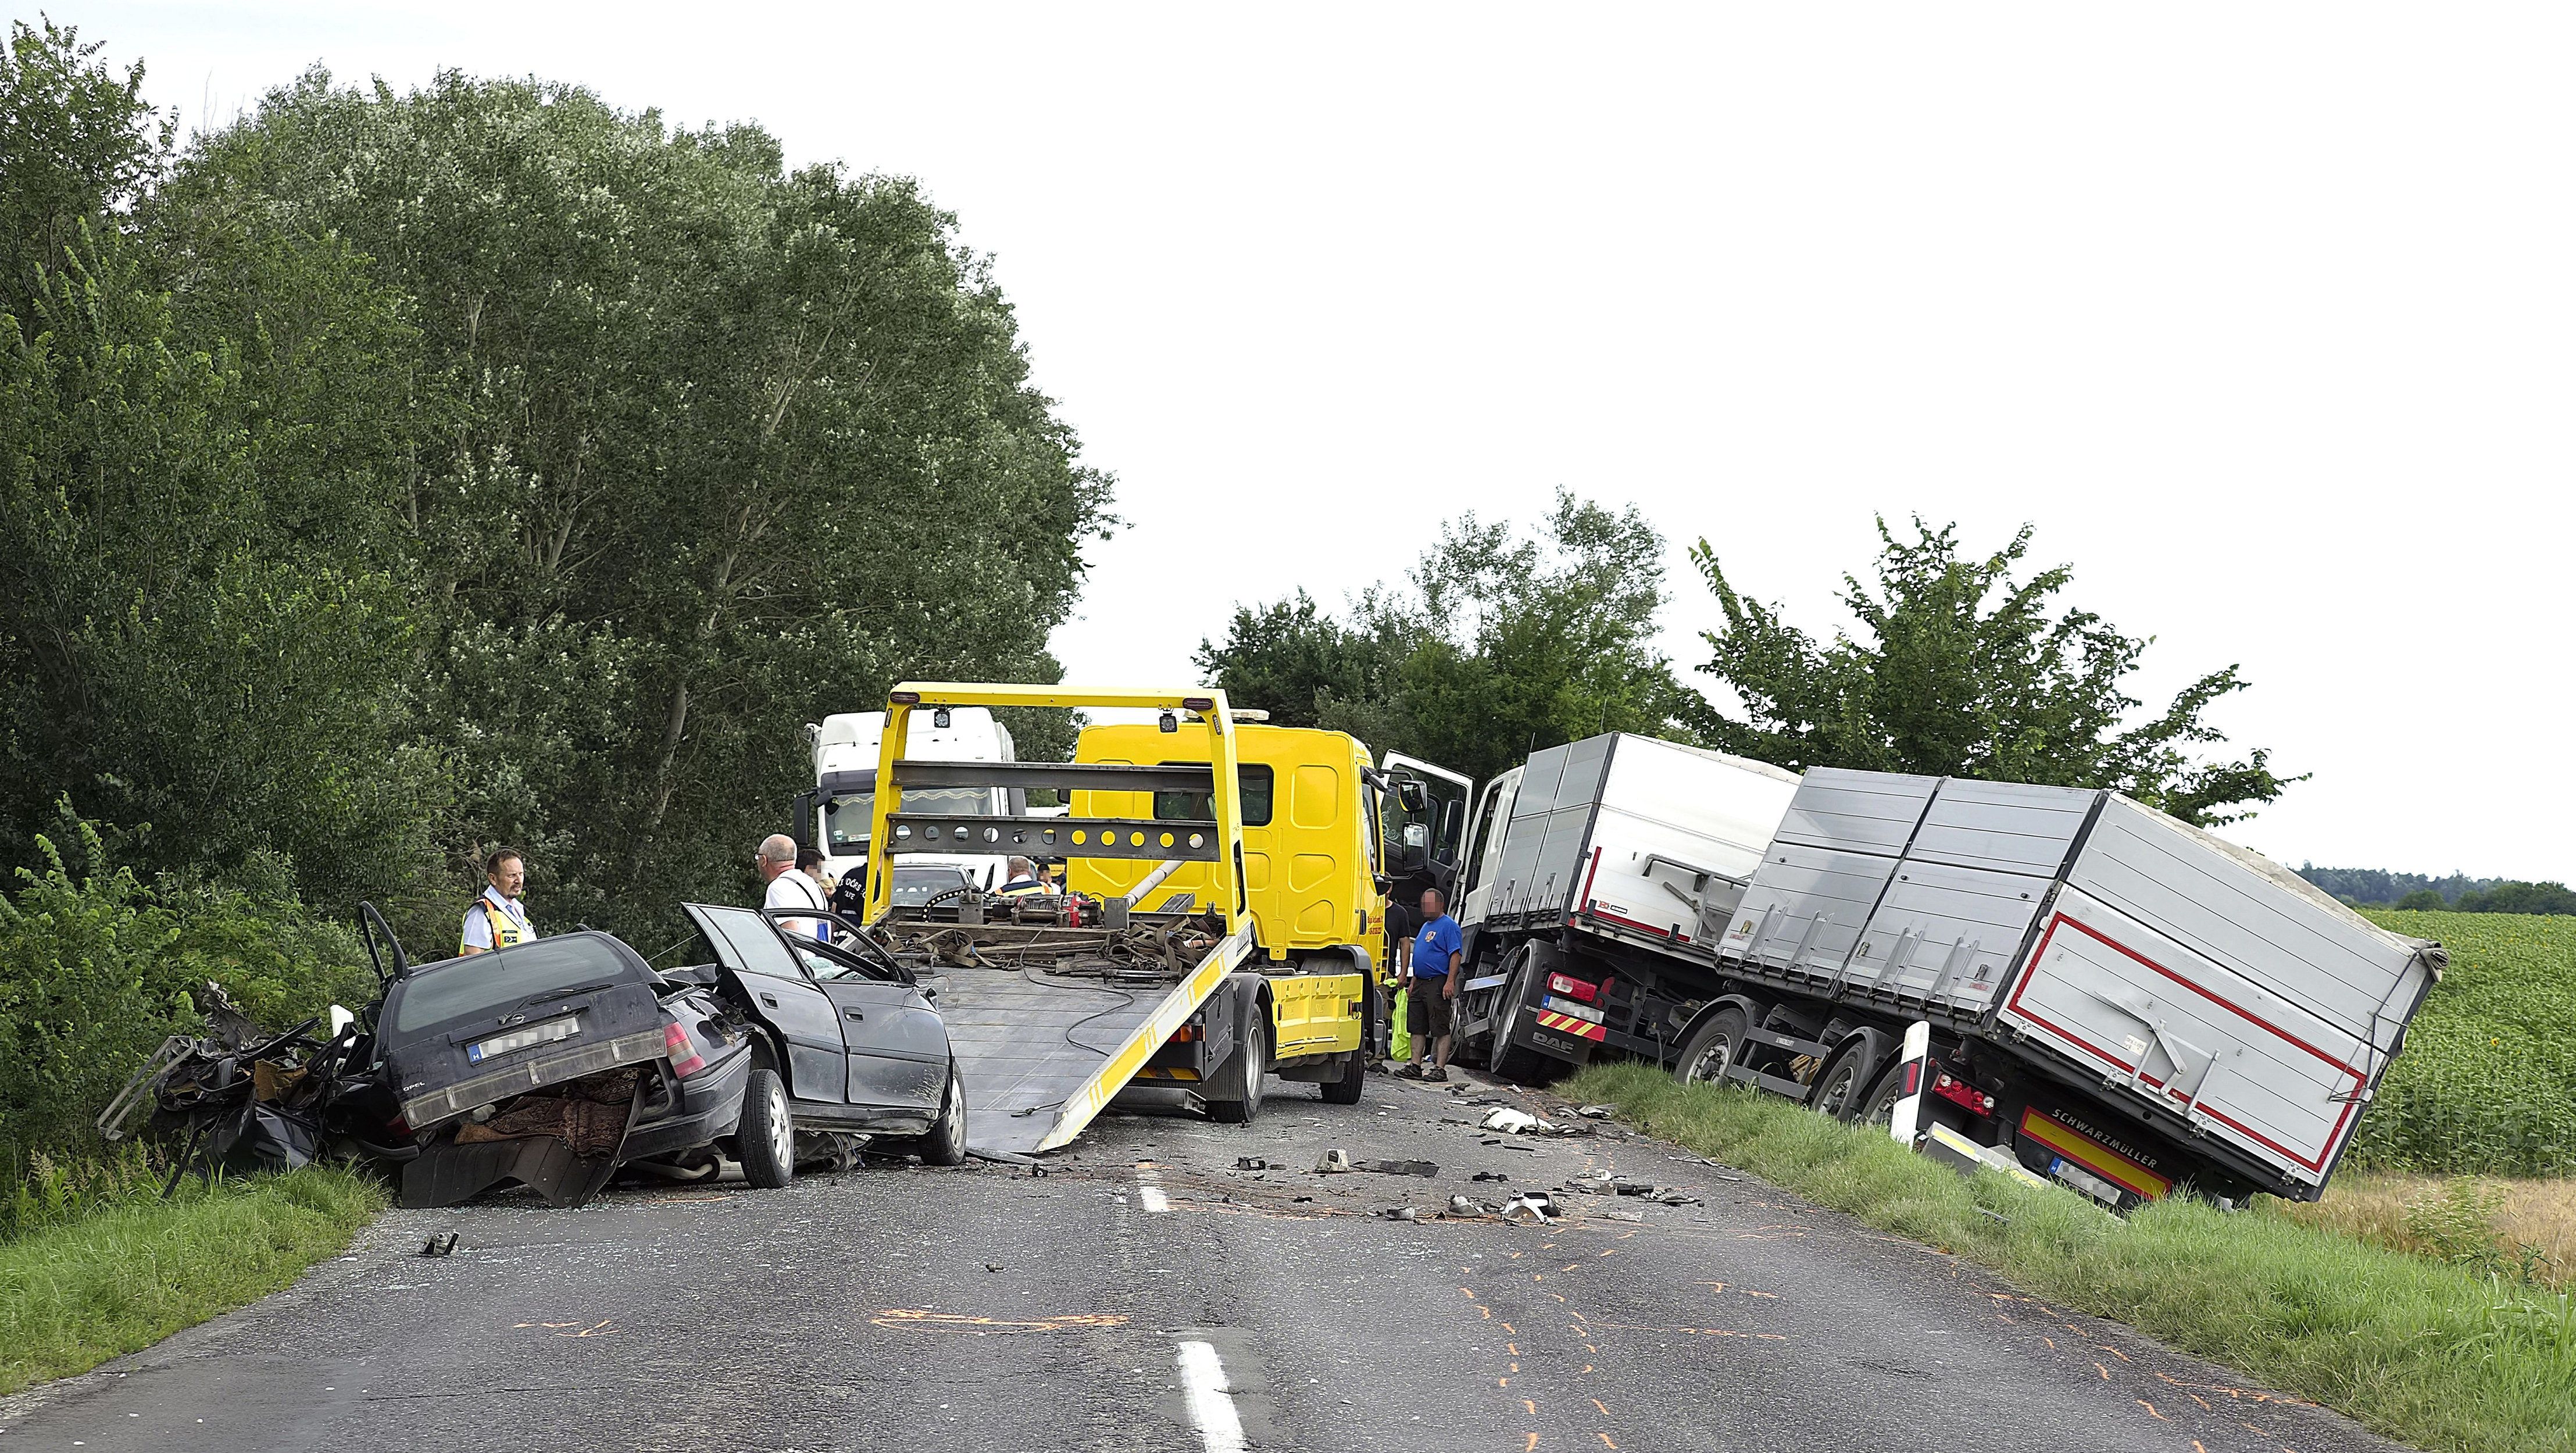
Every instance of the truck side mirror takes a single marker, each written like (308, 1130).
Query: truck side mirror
(1411, 794)
(1417, 836)
(800, 817)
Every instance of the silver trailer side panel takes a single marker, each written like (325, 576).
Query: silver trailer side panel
(1866, 812)
(2005, 827)
(1805, 909)
(2255, 919)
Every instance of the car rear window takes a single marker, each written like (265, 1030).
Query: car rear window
(460, 987)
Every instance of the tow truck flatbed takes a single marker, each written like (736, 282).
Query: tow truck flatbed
(1049, 1024)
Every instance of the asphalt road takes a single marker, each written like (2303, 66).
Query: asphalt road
(1145, 1295)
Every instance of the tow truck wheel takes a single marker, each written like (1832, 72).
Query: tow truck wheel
(1250, 1066)
(1346, 1090)
(767, 1137)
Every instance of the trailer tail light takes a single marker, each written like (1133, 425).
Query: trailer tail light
(681, 1050)
(1573, 988)
(1186, 1034)
(1960, 1092)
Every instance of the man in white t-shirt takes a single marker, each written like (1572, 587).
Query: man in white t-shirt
(789, 888)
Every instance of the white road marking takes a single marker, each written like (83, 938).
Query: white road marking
(1153, 1198)
(1203, 1381)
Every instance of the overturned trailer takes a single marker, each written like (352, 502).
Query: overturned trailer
(2127, 1004)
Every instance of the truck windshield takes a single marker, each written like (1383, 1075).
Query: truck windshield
(849, 817)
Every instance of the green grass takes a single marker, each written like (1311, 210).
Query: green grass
(2417, 1350)
(126, 1276)
(2488, 1080)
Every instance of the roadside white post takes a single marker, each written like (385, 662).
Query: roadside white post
(1909, 1102)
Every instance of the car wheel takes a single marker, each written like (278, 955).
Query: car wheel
(946, 1142)
(1250, 1066)
(766, 1139)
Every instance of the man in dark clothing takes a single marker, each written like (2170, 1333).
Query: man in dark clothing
(1431, 1000)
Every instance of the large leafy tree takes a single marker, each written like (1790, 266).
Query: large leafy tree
(706, 448)
(1964, 667)
(1501, 642)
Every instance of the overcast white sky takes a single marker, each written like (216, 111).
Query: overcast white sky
(2263, 315)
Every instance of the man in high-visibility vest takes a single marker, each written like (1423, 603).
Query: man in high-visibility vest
(499, 918)
(1023, 881)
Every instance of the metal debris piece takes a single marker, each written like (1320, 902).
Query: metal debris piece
(1422, 1168)
(1489, 1175)
(1400, 1213)
(1250, 1162)
(441, 1244)
(1333, 1162)
(1596, 1112)
(1511, 1121)
(1530, 1209)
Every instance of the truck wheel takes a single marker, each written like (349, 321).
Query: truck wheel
(1346, 1090)
(1842, 1086)
(1250, 1065)
(1718, 1045)
(1517, 1063)
(766, 1139)
(1878, 1107)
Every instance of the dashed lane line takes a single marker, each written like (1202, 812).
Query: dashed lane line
(1211, 1404)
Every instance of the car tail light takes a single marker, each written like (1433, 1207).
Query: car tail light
(681, 1050)
(1572, 988)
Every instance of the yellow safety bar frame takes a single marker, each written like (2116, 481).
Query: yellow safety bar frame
(1213, 718)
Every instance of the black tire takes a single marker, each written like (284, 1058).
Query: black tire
(1346, 1090)
(1878, 1107)
(1517, 1063)
(1718, 1045)
(1250, 1066)
(766, 1138)
(1842, 1085)
(946, 1142)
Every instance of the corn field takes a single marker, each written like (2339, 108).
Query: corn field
(2488, 1080)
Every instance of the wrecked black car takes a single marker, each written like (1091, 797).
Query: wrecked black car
(554, 1063)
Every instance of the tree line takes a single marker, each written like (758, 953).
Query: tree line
(393, 475)
(1503, 641)
(2459, 893)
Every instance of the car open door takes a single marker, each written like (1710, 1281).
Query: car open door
(773, 987)
(898, 1045)
(1423, 820)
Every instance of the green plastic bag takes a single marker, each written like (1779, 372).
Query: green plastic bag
(1399, 1040)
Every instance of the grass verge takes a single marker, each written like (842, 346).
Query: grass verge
(122, 1278)
(2420, 1351)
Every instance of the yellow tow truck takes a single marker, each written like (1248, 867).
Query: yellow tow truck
(1223, 918)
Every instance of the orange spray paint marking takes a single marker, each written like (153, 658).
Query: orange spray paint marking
(1605, 1439)
(1531, 1408)
(1605, 1412)
(1467, 1293)
(1513, 1348)
(1488, 1311)
(2151, 1410)
(1502, 1382)
(2051, 1341)
(1533, 1443)
(1587, 1367)
(2106, 1372)
(1569, 1266)
(2204, 1402)
(1508, 1328)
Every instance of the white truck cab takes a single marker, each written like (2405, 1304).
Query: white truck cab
(837, 814)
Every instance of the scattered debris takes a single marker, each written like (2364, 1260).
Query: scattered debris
(1461, 1206)
(1592, 1181)
(441, 1244)
(1489, 1175)
(1400, 1213)
(1513, 1122)
(1251, 1162)
(1422, 1168)
(1530, 1209)
(1333, 1162)
(1596, 1112)
(992, 1266)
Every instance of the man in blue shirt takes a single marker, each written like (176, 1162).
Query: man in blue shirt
(1432, 990)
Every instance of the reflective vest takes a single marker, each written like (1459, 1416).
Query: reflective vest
(1022, 888)
(505, 929)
